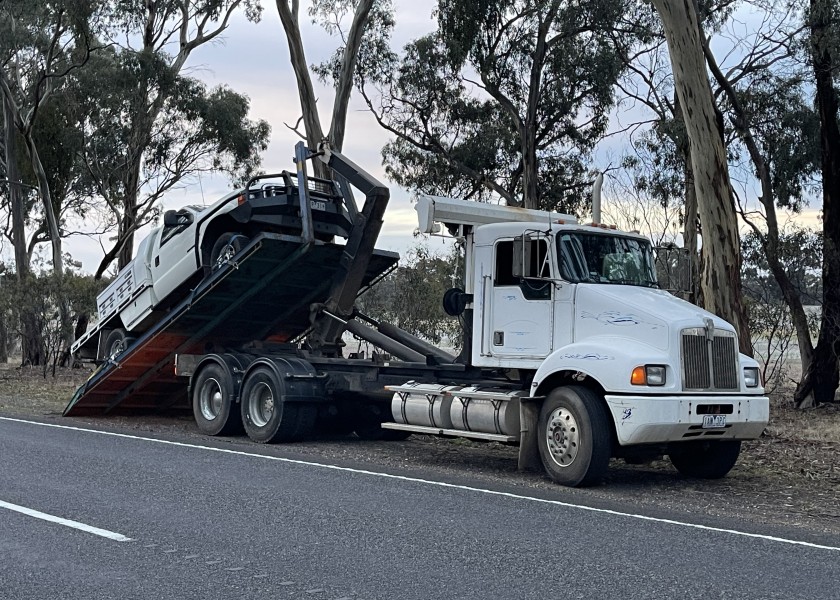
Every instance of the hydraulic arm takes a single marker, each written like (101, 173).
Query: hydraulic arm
(367, 223)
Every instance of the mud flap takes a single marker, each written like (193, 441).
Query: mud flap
(529, 452)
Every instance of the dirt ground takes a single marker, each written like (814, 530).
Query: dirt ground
(789, 477)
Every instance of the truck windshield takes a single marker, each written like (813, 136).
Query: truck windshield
(601, 258)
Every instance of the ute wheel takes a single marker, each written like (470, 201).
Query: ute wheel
(369, 419)
(265, 415)
(226, 247)
(705, 460)
(574, 436)
(213, 405)
(116, 343)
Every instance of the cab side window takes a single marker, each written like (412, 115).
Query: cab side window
(531, 289)
(174, 223)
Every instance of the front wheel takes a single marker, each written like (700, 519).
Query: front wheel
(574, 436)
(226, 247)
(116, 343)
(705, 460)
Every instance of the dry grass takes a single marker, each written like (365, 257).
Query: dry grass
(26, 391)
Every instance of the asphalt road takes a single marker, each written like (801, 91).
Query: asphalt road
(239, 520)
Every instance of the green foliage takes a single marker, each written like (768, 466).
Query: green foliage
(411, 296)
(375, 48)
(771, 327)
(787, 129)
(504, 93)
(32, 315)
(801, 255)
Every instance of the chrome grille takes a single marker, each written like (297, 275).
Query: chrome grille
(695, 356)
(724, 361)
(709, 366)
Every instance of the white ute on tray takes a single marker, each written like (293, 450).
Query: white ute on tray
(191, 242)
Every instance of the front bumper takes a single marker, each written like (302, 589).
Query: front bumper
(657, 419)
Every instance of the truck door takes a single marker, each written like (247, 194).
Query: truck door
(173, 258)
(521, 323)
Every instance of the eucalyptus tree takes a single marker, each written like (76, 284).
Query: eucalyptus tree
(721, 278)
(137, 81)
(505, 99)
(364, 27)
(42, 44)
(819, 383)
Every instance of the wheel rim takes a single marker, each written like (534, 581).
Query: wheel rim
(117, 347)
(227, 253)
(261, 404)
(210, 399)
(562, 436)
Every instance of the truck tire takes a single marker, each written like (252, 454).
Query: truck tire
(705, 460)
(214, 409)
(266, 417)
(116, 343)
(573, 435)
(226, 247)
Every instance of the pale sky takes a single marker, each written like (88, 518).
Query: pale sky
(253, 59)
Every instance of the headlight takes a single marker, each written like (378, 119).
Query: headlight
(751, 378)
(648, 375)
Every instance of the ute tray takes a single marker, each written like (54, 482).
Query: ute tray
(264, 294)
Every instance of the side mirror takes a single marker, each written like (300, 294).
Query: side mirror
(170, 218)
(175, 218)
(521, 255)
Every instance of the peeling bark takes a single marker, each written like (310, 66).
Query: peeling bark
(721, 280)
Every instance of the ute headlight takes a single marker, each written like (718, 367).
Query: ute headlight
(648, 375)
(751, 377)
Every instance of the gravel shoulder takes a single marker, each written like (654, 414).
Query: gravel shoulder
(789, 478)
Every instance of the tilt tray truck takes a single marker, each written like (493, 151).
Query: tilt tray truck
(570, 349)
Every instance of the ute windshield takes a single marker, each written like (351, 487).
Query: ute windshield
(601, 258)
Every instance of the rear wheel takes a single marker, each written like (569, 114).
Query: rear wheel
(213, 404)
(226, 247)
(574, 436)
(267, 417)
(705, 460)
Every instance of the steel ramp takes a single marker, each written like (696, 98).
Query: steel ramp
(265, 294)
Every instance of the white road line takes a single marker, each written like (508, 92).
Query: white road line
(443, 485)
(117, 537)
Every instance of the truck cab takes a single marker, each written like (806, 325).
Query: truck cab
(576, 313)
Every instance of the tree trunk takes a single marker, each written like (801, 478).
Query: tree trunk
(308, 101)
(530, 171)
(16, 198)
(819, 382)
(721, 282)
(46, 201)
(344, 85)
(690, 229)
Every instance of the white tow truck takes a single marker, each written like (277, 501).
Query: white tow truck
(570, 349)
(610, 365)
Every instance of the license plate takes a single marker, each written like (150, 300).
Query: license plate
(714, 421)
(318, 205)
